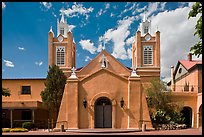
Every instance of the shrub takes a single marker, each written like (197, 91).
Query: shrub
(18, 130)
(28, 125)
(5, 130)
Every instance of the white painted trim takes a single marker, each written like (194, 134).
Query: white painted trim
(60, 42)
(56, 55)
(149, 46)
(148, 70)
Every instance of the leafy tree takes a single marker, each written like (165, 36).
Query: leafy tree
(54, 89)
(162, 109)
(5, 92)
(197, 9)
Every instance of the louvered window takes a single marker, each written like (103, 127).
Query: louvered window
(147, 55)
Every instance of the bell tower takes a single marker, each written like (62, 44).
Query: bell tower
(146, 49)
(62, 48)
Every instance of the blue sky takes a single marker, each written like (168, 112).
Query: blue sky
(25, 27)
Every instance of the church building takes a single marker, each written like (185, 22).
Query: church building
(105, 93)
(102, 94)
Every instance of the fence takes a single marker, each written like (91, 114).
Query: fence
(187, 88)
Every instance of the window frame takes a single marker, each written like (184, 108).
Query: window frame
(62, 29)
(25, 92)
(144, 61)
(59, 62)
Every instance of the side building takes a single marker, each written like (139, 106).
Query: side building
(186, 87)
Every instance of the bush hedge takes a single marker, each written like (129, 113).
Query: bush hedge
(28, 125)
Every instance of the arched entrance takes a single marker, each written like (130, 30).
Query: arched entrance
(200, 116)
(187, 114)
(103, 113)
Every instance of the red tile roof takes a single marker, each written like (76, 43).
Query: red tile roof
(189, 64)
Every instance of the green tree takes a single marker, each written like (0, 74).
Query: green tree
(197, 10)
(54, 89)
(162, 109)
(5, 92)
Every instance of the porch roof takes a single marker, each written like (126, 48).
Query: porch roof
(22, 105)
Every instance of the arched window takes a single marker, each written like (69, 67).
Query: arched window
(60, 56)
(104, 61)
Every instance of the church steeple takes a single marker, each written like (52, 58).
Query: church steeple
(146, 48)
(62, 26)
(62, 18)
(145, 25)
(62, 48)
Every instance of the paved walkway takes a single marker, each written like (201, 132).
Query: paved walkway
(81, 132)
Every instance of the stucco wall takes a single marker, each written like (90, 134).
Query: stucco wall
(14, 85)
(102, 82)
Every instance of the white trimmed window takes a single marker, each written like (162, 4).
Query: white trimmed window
(147, 55)
(60, 55)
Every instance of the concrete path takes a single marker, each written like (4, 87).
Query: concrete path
(190, 131)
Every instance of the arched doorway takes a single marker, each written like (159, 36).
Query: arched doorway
(200, 116)
(103, 113)
(187, 114)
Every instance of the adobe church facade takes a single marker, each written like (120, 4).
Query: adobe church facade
(105, 93)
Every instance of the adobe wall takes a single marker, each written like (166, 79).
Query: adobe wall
(14, 85)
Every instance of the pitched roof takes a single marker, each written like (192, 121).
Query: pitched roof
(189, 64)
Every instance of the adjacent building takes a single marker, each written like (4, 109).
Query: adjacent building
(186, 86)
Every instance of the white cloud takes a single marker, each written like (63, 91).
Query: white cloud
(130, 40)
(102, 11)
(71, 27)
(177, 36)
(115, 7)
(190, 4)
(112, 15)
(8, 63)
(163, 4)
(129, 53)
(134, 8)
(127, 4)
(107, 6)
(21, 48)
(87, 45)
(118, 36)
(54, 14)
(46, 5)
(100, 47)
(138, 10)
(87, 58)
(77, 9)
(3, 5)
(38, 63)
(152, 8)
(99, 13)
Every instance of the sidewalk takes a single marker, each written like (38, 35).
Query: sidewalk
(190, 131)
